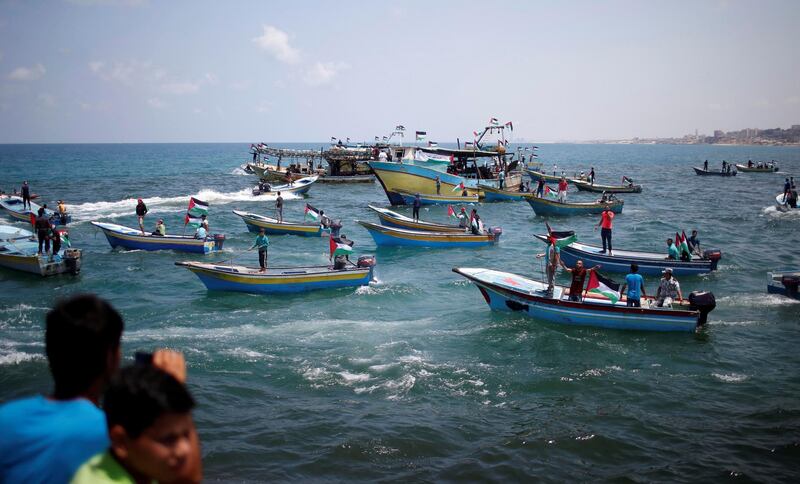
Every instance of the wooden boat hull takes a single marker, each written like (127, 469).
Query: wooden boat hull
(12, 206)
(432, 199)
(132, 239)
(40, 265)
(491, 194)
(394, 219)
(271, 226)
(588, 187)
(650, 264)
(409, 178)
(537, 175)
(276, 280)
(299, 187)
(347, 179)
(549, 207)
(703, 172)
(746, 169)
(393, 237)
(504, 291)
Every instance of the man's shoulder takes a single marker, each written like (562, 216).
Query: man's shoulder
(9, 411)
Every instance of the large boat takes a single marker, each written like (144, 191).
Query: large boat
(598, 188)
(392, 236)
(492, 194)
(394, 219)
(132, 239)
(504, 291)
(784, 282)
(345, 164)
(550, 207)
(13, 207)
(223, 277)
(769, 167)
(272, 226)
(703, 172)
(19, 250)
(298, 187)
(434, 199)
(650, 263)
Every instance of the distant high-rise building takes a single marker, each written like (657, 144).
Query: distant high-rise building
(718, 133)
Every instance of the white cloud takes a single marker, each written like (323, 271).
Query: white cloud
(126, 72)
(276, 42)
(27, 73)
(47, 100)
(155, 103)
(181, 87)
(241, 85)
(323, 72)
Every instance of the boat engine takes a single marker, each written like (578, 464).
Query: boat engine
(219, 241)
(791, 284)
(366, 261)
(72, 259)
(714, 255)
(704, 302)
(496, 231)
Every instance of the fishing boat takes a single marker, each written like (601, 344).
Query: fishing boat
(650, 263)
(537, 175)
(504, 291)
(764, 168)
(596, 187)
(433, 199)
(223, 277)
(298, 187)
(13, 207)
(272, 226)
(703, 172)
(128, 238)
(550, 207)
(393, 236)
(394, 219)
(784, 282)
(491, 194)
(346, 179)
(19, 250)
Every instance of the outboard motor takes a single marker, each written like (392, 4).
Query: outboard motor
(704, 302)
(366, 261)
(714, 255)
(791, 284)
(219, 241)
(335, 227)
(256, 191)
(72, 259)
(496, 231)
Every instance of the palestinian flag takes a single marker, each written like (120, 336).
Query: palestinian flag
(65, 238)
(192, 221)
(311, 213)
(602, 285)
(549, 193)
(197, 207)
(421, 135)
(339, 248)
(433, 144)
(450, 212)
(510, 125)
(494, 122)
(561, 238)
(333, 139)
(475, 134)
(458, 187)
(400, 127)
(685, 244)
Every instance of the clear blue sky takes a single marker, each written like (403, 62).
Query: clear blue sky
(139, 71)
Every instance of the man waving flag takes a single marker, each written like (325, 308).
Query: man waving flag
(602, 285)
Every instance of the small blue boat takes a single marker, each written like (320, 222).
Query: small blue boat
(394, 219)
(433, 199)
(219, 277)
(12, 206)
(650, 263)
(128, 238)
(391, 236)
(272, 226)
(504, 291)
(784, 282)
(297, 187)
(549, 207)
(492, 194)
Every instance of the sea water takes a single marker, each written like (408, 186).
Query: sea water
(413, 377)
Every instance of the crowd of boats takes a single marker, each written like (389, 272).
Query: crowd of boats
(417, 175)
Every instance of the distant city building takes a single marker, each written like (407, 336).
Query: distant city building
(718, 133)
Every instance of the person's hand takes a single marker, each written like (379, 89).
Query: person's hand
(171, 362)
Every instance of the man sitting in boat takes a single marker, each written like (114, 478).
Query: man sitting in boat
(476, 224)
(668, 289)
(463, 219)
(200, 233)
(161, 229)
(578, 277)
(672, 250)
(694, 244)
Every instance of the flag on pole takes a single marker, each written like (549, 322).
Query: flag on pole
(311, 213)
(450, 212)
(399, 127)
(510, 125)
(333, 138)
(603, 285)
(433, 144)
(338, 247)
(458, 187)
(376, 138)
(64, 234)
(685, 244)
(475, 134)
(494, 121)
(348, 140)
(197, 208)
(421, 135)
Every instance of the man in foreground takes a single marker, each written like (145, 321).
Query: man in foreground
(668, 290)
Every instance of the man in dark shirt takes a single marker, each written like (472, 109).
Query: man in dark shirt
(42, 226)
(578, 278)
(694, 243)
(26, 195)
(415, 207)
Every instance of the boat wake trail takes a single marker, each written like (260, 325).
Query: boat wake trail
(239, 171)
(772, 212)
(120, 208)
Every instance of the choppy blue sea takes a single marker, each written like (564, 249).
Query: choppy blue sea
(413, 378)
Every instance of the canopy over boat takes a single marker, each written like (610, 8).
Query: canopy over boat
(128, 238)
(221, 277)
(394, 219)
(703, 172)
(550, 207)
(650, 263)
(505, 291)
(272, 226)
(392, 236)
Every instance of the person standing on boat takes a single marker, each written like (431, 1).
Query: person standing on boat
(552, 258)
(672, 250)
(501, 178)
(279, 207)
(578, 278)
(787, 188)
(562, 190)
(724, 163)
(262, 243)
(605, 225)
(55, 236)
(438, 185)
(26, 195)
(415, 207)
(540, 188)
(591, 176)
(635, 284)
(668, 289)
(476, 224)
(42, 226)
(62, 213)
(161, 229)
(141, 211)
(694, 244)
(705, 165)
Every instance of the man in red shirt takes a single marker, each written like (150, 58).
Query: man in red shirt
(605, 228)
(578, 278)
(562, 190)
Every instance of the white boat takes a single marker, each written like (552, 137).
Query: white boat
(19, 251)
